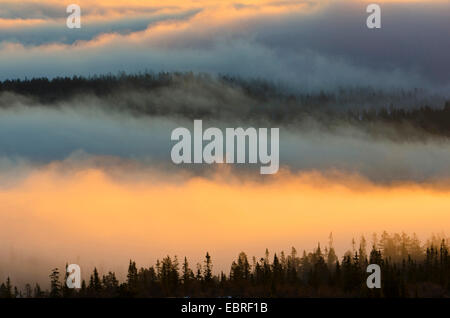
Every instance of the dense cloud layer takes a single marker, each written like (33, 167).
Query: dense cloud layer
(307, 45)
(38, 136)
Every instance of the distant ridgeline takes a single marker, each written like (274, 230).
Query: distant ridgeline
(203, 96)
(408, 269)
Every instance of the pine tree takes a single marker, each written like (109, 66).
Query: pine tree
(55, 285)
(187, 274)
(207, 270)
(132, 278)
(37, 291)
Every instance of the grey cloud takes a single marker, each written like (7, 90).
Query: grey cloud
(42, 10)
(415, 37)
(381, 160)
(322, 51)
(57, 32)
(43, 135)
(36, 136)
(31, 10)
(302, 71)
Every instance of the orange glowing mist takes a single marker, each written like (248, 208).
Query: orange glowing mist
(90, 218)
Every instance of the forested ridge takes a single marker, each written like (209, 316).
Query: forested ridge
(408, 269)
(247, 99)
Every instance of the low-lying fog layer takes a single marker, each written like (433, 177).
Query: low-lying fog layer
(33, 136)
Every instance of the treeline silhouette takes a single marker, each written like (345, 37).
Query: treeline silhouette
(362, 106)
(408, 269)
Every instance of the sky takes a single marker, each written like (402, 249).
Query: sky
(305, 44)
(83, 182)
